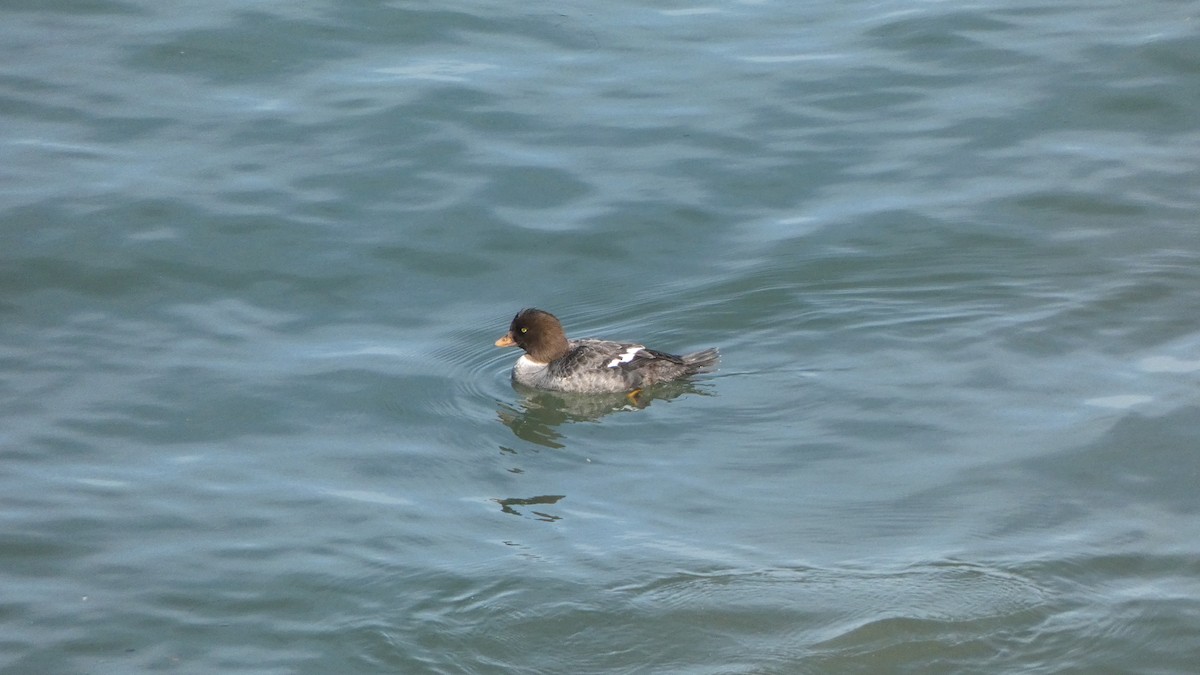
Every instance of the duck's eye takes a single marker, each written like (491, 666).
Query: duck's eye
(524, 330)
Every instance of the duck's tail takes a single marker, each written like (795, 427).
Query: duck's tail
(702, 361)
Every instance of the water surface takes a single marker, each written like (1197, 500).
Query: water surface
(253, 259)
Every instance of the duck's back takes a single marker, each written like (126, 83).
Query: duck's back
(598, 366)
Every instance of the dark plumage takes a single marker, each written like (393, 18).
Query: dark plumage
(588, 365)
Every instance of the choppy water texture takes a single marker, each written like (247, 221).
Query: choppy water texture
(253, 257)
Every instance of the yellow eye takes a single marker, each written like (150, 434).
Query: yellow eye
(524, 330)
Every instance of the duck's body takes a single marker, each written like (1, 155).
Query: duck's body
(588, 365)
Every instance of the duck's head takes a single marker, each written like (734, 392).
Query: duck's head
(537, 332)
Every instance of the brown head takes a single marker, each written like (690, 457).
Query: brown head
(539, 333)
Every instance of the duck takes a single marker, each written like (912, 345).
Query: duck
(588, 365)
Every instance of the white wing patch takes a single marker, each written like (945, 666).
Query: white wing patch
(625, 356)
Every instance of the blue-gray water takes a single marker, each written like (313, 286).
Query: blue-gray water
(253, 257)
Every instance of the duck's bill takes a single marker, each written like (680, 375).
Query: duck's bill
(506, 341)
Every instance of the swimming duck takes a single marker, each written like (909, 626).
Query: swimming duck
(588, 365)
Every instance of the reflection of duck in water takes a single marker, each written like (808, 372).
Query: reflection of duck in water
(590, 366)
(538, 413)
(506, 505)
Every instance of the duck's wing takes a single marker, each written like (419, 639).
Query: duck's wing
(620, 365)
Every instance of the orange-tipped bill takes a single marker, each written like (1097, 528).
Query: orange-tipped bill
(506, 341)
